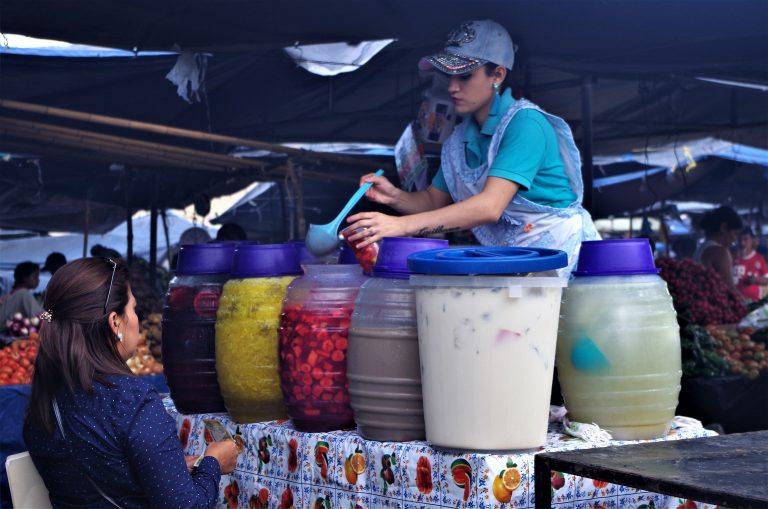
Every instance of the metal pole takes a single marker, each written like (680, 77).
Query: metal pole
(167, 239)
(586, 141)
(153, 234)
(87, 224)
(128, 216)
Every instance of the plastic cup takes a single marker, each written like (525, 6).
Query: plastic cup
(367, 255)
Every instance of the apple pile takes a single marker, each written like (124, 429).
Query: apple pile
(17, 361)
(699, 292)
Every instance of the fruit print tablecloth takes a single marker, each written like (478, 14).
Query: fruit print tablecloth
(281, 468)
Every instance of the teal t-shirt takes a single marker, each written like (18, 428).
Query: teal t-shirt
(528, 155)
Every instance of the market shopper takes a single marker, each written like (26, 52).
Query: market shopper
(721, 227)
(98, 435)
(750, 267)
(510, 171)
(26, 277)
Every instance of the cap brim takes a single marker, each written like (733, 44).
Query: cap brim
(450, 63)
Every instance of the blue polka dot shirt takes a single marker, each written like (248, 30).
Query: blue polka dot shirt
(126, 441)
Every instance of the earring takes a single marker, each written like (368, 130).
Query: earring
(120, 336)
(495, 105)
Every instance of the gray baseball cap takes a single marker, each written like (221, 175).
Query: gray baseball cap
(471, 45)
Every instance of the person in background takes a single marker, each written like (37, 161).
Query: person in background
(54, 262)
(510, 171)
(750, 267)
(98, 435)
(231, 231)
(721, 227)
(26, 277)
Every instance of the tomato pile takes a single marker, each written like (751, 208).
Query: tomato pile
(723, 350)
(313, 366)
(17, 361)
(699, 292)
(743, 355)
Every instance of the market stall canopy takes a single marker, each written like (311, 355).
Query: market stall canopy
(707, 170)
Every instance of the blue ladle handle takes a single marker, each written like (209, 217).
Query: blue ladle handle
(355, 198)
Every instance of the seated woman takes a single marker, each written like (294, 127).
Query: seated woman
(98, 435)
(721, 227)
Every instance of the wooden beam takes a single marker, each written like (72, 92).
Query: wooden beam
(184, 133)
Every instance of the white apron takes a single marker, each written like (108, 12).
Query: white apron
(523, 223)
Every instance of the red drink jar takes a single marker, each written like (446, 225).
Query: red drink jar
(314, 329)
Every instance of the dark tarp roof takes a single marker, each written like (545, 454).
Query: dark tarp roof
(645, 58)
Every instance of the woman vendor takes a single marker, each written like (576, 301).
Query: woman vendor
(510, 171)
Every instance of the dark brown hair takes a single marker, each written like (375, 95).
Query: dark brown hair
(490, 68)
(714, 219)
(78, 347)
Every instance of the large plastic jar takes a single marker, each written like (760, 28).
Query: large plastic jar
(383, 363)
(189, 318)
(246, 330)
(618, 353)
(487, 321)
(314, 329)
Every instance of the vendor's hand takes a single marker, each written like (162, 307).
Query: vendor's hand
(376, 226)
(225, 453)
(190, 462)
(382, 191)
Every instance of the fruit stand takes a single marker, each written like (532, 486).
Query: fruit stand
(725, 366)
(284, 468)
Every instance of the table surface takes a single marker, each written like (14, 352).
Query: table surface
(728, 470)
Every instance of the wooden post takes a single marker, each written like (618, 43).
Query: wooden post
(295, 174)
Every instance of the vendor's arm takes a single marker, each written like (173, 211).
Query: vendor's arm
(485, 207)
(719, 259)
(384, 192)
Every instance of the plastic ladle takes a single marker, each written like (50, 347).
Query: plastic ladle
(322, 239)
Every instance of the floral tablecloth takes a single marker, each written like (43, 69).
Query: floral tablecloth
(281, 468)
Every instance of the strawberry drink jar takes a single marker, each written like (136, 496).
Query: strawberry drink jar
(383, 365)
(618, 351)
(487, 320)
(314, 328)
(189, 317)
(246, 330)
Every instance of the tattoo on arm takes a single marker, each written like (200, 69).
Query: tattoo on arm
(437, 229)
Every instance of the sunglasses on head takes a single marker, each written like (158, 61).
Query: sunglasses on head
(111, 280)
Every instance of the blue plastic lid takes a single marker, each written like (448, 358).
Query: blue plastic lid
(616, 257)
(211, 258)
(486, 260)
(265, 260)
(392, 260)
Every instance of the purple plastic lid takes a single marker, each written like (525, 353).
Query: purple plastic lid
(265, 260)
(307, 258)
(347, 255)
(619, 257)
(392, 260)
(212, 258)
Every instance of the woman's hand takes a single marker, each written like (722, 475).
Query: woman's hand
(190, 462)
(375, 226)
(225, 453)
(382, 191)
